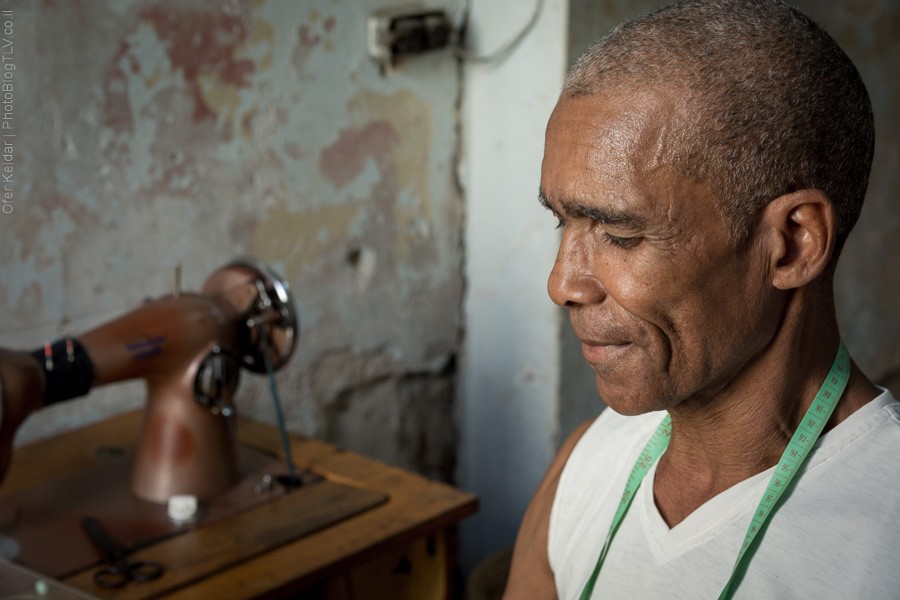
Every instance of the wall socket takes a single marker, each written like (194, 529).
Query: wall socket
(403, 31)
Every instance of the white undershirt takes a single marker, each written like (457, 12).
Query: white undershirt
(836, 535)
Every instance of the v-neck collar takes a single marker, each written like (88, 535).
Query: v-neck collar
(709, 519)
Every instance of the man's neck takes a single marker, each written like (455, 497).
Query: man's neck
(720, 441)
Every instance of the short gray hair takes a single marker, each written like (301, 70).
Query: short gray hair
(778, 106)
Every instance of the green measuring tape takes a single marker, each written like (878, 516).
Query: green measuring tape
(793, 457)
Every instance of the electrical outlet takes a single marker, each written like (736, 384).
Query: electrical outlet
(401, 31)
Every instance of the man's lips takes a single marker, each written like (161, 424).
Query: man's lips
(596, 351)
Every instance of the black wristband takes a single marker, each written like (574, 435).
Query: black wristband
(68, 370)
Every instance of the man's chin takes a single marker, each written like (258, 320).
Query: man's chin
(627, 399)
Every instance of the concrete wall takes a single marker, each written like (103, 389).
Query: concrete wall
(152, 131)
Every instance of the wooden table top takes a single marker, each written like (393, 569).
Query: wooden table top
(268, 564)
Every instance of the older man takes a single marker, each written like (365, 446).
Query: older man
(706, 163)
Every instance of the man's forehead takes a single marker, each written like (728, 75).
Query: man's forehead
(616, 150)
(610, 131)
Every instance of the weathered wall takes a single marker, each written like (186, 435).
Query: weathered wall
(868, 278)
(152, 131)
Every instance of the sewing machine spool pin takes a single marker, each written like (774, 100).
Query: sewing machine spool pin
(176, 284)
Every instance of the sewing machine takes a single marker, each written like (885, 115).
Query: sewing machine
(189, 348)
(252, 536)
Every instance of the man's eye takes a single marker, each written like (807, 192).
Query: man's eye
(621, 242)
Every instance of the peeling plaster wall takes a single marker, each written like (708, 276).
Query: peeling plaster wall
(155, 131)
(867, 284)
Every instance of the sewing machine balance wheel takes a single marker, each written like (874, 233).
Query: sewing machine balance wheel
(263, 298)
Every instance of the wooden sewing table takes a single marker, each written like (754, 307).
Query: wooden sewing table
(401, 546)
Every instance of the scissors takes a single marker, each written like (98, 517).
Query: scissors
(120, 570)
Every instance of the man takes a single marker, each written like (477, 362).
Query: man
(706, 163)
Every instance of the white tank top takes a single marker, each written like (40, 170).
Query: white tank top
(836, 535)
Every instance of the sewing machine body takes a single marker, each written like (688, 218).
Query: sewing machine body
(189, 348)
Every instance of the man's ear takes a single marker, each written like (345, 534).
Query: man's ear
(802, 228)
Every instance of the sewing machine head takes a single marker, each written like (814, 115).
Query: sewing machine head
(189, 348)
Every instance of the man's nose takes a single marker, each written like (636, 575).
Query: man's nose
(572, 280)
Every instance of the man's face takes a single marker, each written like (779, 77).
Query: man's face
(667, 307)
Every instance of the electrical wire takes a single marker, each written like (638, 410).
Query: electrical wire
(503, 51)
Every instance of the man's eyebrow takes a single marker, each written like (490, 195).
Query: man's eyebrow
(606, 216)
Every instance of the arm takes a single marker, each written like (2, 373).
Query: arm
(21, 393)
(530, 576)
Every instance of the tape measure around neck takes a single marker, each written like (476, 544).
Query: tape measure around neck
(793, 457)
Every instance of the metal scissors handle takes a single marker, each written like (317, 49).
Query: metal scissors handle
(120, 570)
